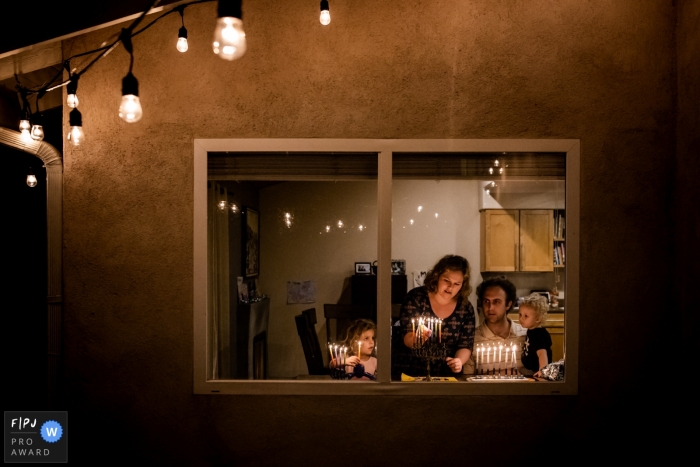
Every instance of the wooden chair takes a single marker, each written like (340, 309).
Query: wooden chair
(339, 318)
(309, 341)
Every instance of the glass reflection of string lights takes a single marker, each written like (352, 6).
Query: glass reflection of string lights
(490, 188)
(498, 167)
(361, 227)
(420, 208)
(235, 209)
(288, 218)
(222, 205)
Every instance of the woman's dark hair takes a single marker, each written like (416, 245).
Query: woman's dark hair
(450, 263)
(499, 281)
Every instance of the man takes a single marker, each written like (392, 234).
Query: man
(497, 296)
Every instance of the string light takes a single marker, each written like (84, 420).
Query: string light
(325, 13)
(31, 178)
(24, 124)
(229, 37)
(182, 45)
(76, 135)
(130, 109)
(72, 90)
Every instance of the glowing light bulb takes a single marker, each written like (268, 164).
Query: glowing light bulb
(31, 178)
(24, 125)
(328, 228)
(76, 135)
(361, 227)
(411, 222)
(130, 108)
(325, 13)
(490, 170)
(37, 132)
(288, 219)
(229, 38)
(222, 205)
(25, 136)
(436, 215)
(340, 224)
(234, 208)
(420, 208)
(72, 101)
(72, 90)
(500, 171)
(182, 45)
(495, 163)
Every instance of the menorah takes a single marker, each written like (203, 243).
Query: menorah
(430, 352)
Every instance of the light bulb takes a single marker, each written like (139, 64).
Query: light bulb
(340, 224)
(229, 38)
(72, 101)
(72, 90)
(76, 135)
(234, 208)
(37, 132)
(130, 108)
(490, 170)
(495, 163)
(222, 205)
(24, 125)
(25, 136)
(182, 40)
(182, 44)
(325, 13)
(31, 179)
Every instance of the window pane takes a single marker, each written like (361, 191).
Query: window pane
(505, 214)
(285, 233)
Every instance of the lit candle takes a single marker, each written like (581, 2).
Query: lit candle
(440, 330)
(476, 368)
(506, 367)
(359, 349)
(515, 365)
(330, 350)
(488, 358)
(500, 348)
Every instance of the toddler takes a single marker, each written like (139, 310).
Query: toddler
(537, 349)
(360, 340)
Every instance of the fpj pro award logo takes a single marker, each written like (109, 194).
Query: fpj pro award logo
(36, 437)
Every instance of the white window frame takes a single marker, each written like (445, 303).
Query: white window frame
(385, 148)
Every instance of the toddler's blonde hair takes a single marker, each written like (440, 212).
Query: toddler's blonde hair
(538, 303)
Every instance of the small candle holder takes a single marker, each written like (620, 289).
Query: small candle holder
(358, 372)
(430, 352)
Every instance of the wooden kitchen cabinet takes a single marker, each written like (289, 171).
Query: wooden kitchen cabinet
(517, 240)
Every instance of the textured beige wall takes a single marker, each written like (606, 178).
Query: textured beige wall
(596, 70)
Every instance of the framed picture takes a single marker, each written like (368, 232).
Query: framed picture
(398, 267)
(363, 268)
(251, 243)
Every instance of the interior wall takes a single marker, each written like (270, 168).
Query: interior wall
(306, 252)
(602, 72)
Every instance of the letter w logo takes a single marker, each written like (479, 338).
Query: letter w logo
(52, 432)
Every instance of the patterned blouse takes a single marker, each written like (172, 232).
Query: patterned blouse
(457, 333)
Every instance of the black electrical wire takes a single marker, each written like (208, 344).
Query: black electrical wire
(105, 50)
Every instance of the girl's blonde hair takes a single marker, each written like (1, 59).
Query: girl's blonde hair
(355, 331)
(538, 303)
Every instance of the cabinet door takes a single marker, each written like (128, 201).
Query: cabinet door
(536, 240)
(499, 234)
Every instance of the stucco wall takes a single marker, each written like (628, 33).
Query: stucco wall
(600, 71)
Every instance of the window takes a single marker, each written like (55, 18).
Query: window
(299, 193)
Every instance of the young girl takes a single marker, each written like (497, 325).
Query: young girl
(537, 350)
(360, 340)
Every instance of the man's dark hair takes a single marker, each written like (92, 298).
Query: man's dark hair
(499, 281)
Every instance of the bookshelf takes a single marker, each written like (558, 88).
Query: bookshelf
(559, 238)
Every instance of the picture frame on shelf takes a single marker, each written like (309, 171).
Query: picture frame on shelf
(398, 267)
(363, 268)
(251, 242)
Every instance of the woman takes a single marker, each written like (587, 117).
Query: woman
(444, 296)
